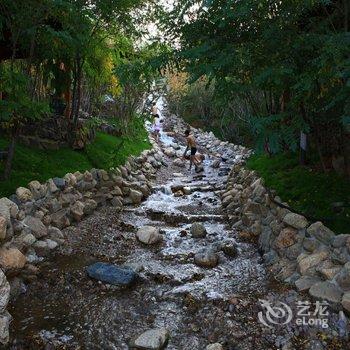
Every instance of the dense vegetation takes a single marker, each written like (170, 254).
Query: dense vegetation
(274, 76)
(78, 60)
(104, 152)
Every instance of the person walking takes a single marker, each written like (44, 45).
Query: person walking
(191, 145)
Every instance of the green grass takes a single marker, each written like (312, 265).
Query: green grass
(35, 164)
(306, 190)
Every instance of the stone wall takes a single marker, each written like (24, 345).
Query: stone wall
(307, 255)
(32, 219)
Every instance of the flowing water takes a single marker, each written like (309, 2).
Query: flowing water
(65, 309)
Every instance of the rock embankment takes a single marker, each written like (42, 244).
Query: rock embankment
(32, 219)
(307, 255)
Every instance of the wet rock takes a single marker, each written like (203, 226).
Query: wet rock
(179, 162)
(187, 190)
(215, 164)
(229, 248)
(111, 274)
(321, 232)
(206, 258)
(11, 259)
(24, 194)
(149, 235)
(198, 230)
(36, 226)
(152, 339)
(216, 346)
(326, 291)
(135, 196)
(306, 282)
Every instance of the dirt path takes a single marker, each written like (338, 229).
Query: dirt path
(65, 309)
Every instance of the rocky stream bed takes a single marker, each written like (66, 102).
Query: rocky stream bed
(199, 288)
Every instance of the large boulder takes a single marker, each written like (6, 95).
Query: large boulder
(11, 259)
(198, 230)
(206, 258)
(326, 291)
(295, 220)
(152, 339)
(321, 232)
(111, 274)
(36, 226)
(149, 235)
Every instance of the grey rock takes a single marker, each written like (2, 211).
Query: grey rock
(321, 232)
(206, 258)
(326, 291)
(4, 292)
(343, 278)
(340, 241)
(136, 196)
(152, 339)
(306, 282)
(36, 226)
(5, 319)
(149, 235)
(295, 220)
(59, 182)
(198, 230)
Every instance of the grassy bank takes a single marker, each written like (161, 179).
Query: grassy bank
(35, 164)
(306, 190)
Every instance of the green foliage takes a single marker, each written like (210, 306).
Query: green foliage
(35, 164)
(108, 151)
(288, 59)
(307, 190)
(18, 108)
